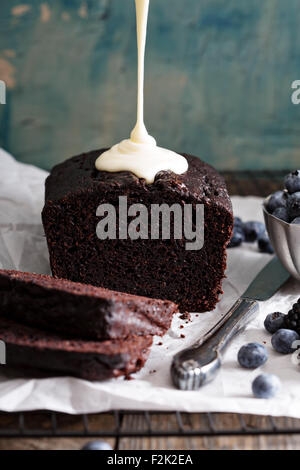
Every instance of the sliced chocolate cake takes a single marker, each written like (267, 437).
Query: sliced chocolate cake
(157, 268)
(80, 310)
(31, 348)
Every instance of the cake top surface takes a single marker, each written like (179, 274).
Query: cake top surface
(76, 288)
(78, 174)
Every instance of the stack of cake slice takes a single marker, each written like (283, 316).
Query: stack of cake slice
(68, 328)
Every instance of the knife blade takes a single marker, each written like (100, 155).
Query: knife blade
(199, 364)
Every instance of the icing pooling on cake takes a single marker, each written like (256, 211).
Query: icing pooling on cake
(140, 154)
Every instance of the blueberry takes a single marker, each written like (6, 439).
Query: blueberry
(293, 205)
(238, 223)
(252, 230)
(274, 321)
(283, 339)
(296, 221)
(282, 214)
(252, 355)
(237, 238)
(266, 386)
(264, 244)
(277, 199)
(292, 182)
(96, 445)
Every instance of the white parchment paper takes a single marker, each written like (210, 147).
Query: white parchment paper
(23, 246)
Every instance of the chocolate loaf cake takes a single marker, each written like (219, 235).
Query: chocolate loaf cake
(32, 348)
(80, 310)
(155, 268)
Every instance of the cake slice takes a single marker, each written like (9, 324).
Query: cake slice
(80, 310)
(33, 349)
(158, 268)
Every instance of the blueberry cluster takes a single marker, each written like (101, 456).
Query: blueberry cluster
(250, 232)
(285, 205)
(285, 330)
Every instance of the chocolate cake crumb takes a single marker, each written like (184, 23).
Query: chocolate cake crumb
(185, 316)
(154, 268)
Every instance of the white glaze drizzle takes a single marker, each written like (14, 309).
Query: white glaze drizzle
(140, 154)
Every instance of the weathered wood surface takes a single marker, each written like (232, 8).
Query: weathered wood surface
(218, 78)
(158, 422)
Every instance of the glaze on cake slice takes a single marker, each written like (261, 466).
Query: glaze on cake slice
(80, 310)
(33, 349)
(154, 268)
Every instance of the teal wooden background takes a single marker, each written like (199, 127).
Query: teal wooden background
(218, 78)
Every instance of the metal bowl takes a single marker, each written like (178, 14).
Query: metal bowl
(285, 239)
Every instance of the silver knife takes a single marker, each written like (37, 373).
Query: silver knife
(200, 363)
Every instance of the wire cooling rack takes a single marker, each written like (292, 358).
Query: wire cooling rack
(121, 424)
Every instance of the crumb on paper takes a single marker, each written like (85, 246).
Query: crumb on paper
(185, 316)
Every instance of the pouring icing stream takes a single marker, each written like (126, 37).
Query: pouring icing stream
(140, 154)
